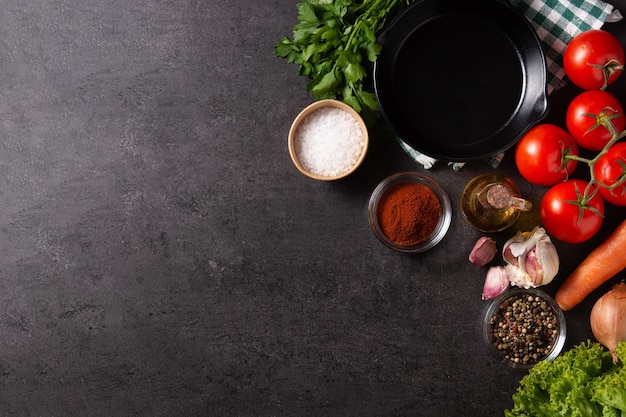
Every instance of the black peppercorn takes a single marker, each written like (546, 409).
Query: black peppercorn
(524, 328)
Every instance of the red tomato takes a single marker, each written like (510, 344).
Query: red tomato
(568, 215)
(593, 59)
(539, 154)
(588, 116)
(610, 169)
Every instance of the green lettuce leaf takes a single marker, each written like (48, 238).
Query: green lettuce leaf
(566, 387)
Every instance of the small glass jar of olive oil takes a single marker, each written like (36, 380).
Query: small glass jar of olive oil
(492, 202)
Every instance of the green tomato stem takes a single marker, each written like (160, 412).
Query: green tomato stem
(590, 192)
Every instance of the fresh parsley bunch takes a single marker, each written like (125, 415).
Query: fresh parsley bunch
(334, 44)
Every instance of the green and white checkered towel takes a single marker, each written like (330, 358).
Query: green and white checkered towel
(556, 23)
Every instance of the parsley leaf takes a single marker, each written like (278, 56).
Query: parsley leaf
(334, 44)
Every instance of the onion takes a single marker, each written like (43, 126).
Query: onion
(608, 318)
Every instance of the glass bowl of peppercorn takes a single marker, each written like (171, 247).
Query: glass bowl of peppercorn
(523, 327)
(409, 212)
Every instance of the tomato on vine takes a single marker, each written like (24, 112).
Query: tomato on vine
(540, 154)
(593, 59)
(610, 172)
(571, 212)
(593, 117)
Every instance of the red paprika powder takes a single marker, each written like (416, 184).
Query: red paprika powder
(408, 213)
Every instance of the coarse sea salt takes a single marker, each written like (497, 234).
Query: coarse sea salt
(329, 142)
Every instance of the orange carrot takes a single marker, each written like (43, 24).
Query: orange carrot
(602, 264)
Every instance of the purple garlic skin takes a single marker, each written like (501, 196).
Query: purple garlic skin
(496, 282)
(483, 252)
(531, 259)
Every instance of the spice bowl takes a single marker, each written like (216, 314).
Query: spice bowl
(409, 212)
(523, 327)
(328, 140)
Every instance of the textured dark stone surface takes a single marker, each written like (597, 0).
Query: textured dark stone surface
(161, 256)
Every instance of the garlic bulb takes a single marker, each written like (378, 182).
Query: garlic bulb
(531, 258)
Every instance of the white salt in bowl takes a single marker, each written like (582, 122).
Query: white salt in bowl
(328, 140)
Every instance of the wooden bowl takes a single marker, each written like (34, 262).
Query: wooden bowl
(306, 112)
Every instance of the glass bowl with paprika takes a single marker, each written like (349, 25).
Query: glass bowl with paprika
(409, 212)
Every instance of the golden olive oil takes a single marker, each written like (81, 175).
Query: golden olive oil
(492, 202)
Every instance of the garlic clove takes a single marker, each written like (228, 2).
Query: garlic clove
(513, 248)
(547, 261)
(483, 251)
(533, 267)
(496, 282)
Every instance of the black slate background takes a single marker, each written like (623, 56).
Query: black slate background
(161, 256)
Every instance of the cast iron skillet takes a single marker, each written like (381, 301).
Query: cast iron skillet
(460, 80)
